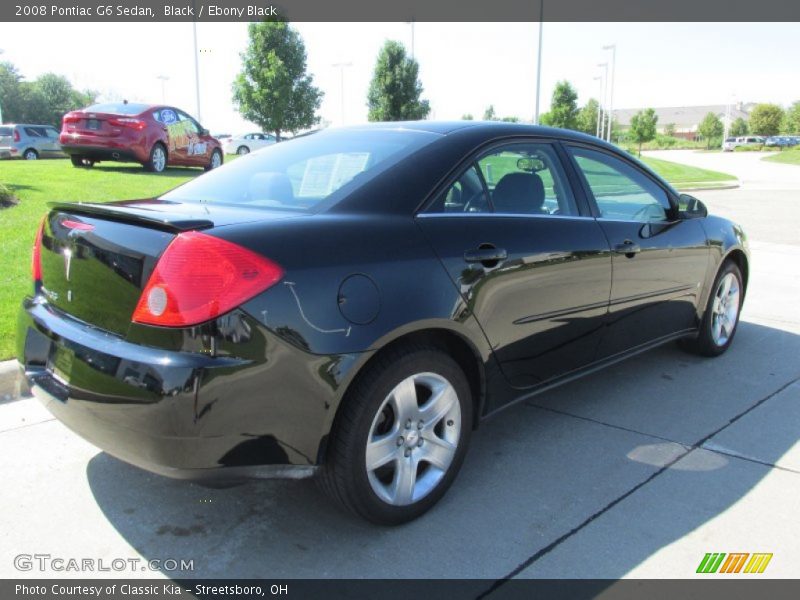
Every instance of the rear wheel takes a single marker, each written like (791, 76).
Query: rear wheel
(242, 150)
(79, 161)
(216, 160)
(401, 436)
(721, 317)
(158, 159)
(30, 154)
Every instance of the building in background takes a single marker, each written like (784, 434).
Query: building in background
(686, 119)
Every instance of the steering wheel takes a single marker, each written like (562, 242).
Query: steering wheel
(468, 205)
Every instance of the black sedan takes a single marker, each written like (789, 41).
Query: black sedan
(351, 304)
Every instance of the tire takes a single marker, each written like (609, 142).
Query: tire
(79, 161)
(30, 154)
(381, 415)
(158, 159)
(721, 317)
(216, 160)
(241, 150)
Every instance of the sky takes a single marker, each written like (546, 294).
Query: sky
(464, 67)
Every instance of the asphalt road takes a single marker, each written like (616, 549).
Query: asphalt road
(636, 471)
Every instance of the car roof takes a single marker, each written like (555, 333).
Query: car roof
(27, 125)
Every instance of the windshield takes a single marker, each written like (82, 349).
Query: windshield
(306, 173)
(117, 108)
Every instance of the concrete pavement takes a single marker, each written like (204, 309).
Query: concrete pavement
(635, 471)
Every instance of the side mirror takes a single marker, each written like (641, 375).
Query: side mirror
(690, 207)
(204, 131)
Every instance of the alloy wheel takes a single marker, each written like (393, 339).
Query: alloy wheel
(413, 439)
(725, 309)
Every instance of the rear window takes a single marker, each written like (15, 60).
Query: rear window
(306, 173)
(6, 131)
(117, 108)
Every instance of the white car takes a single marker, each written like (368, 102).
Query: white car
(244, 144)
(748, 140)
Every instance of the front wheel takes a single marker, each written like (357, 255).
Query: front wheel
(721, 317)
(242, 150)
(216, 160)
(158, 159)
(401, 436)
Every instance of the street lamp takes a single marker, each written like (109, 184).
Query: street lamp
(1, 109)
(341, 67)
(599, 106)
(539, 62)
(603, 112)
(411, 22)
(164, 79)
(613, 48)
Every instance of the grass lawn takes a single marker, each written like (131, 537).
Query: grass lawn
(684, 176)
(789, 157)
(36, 183)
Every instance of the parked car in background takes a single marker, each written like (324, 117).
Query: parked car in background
(221, 136)
(28, 141)
(244, 144)
(152, 135)
(780, 141)
(747, 140)
(351, 303)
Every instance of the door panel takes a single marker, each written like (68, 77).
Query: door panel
(659, 262)
(534, 271)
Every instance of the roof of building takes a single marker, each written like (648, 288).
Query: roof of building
(685, 116)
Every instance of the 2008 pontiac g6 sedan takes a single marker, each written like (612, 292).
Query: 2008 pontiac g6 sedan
(350, 304)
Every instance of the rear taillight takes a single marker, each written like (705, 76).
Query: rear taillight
(16, 135)
(130, 123)
(200, 277)
(36, 258)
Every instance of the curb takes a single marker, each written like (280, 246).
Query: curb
(731, 186)
(11, 387)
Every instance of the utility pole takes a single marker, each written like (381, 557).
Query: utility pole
(613, 48)
(539, 62)
(411, 22)
(1, 109)
(341, 67)
(599, 105)
(196, 71)
(604, 112)
(164, 79)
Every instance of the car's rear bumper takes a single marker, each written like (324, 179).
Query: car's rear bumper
(165, 411)
(121, 153)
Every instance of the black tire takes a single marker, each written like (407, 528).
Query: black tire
(77, 161)
(242, 150)
(210, 165)
(154, 163)
(706, 343)
(30, 154)
(344, 475)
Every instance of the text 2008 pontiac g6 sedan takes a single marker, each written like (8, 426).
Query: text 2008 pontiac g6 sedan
(352, 303)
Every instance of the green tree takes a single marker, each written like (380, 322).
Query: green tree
(10, 92)
(766, 119)
(395, 89)
(564, 106)
(510, 119)
(738, 127)
(489, 114)
(710, 127)
(587, 117)
(669, 129)
(467, 117)
(273, 88)
(793, 118)
(643, 127)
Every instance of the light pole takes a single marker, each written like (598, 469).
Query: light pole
(613, 48)
(411, 22)
(599, 106)
(604, 112)
(196, 70)
(164, 79)
(539, 62)
(341, 67)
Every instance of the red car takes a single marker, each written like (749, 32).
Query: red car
(153, 135)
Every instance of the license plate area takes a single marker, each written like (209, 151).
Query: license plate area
(93, 124)
(60, 362)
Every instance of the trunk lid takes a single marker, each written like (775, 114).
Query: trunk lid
(97, 258)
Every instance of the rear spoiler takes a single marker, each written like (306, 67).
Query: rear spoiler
(135, 216)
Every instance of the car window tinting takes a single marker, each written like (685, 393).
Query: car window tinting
(117, 108)
(305, 173)
(527, 179)
(621, 191)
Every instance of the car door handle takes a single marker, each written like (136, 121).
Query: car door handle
(487, 254)
(628, 248)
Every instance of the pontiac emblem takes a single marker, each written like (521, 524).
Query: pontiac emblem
(67, 261)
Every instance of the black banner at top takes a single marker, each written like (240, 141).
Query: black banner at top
(400, 10)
